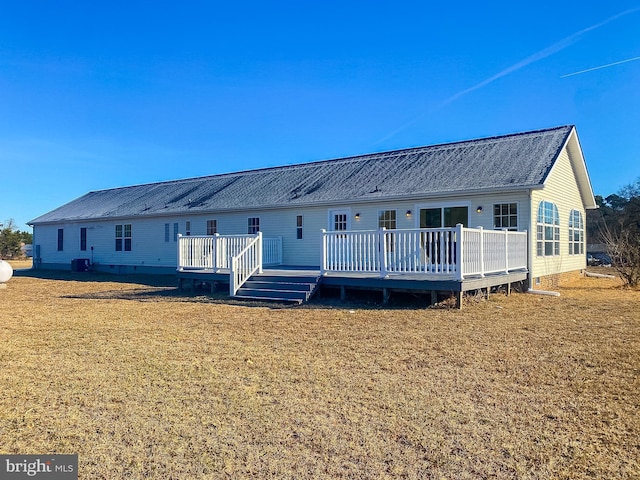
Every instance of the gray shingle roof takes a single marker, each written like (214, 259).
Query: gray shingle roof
(505, 162)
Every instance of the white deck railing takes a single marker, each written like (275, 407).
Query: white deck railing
(455, 252)
(272, 250)
(246, 263)
(212, 252)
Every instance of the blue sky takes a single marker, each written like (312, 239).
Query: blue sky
(96, 95)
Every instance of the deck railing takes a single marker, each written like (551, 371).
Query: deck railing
(212, 252)
(272, 250)
(246, 263)
(455, 252)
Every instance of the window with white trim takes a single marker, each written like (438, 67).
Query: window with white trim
(299, 227)
(548, 230)
(166, 232)
(505, 216)
(387, 219)
(253, 225)
(576, 233)
(123, 237)
(60, 239)
(187, 228)
(212, 227)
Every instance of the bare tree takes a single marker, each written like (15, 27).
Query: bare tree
(620, 231)
(623, 246)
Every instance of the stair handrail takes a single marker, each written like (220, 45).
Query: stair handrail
(246, 263)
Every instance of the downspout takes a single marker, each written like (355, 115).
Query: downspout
(533, 235)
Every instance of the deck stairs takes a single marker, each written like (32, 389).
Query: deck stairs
(279, 288)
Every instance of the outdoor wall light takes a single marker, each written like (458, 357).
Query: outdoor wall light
(408, 213)
(357, 216)
(479, 209)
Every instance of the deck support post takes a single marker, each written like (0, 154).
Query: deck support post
(508, 289)
(459, 296)
(343, 293)
(434, 297)
(459, 251)
(481, 251)
(386, 293)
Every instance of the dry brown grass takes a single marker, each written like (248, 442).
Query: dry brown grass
(142, 382)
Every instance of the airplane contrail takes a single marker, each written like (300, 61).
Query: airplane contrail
(545, 52)
(601, 66)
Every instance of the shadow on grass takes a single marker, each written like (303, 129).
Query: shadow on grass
(154, 288)
(61, 275)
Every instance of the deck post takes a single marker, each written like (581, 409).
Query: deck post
(506, 251)
(179, 253)
(459, 250)
(434, 297)
(459, 296)
(386, 293)
(259, 252)
(382, 238)
(323, 259)
(481, 252)
(214, 253)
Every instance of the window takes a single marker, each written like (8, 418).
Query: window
(60, 239)
(83, 239)
(212, 227)
(576, 233)
(187, 228)
(123, 237)
(299, 227)
(443, 217)
(167, 232)
(340, 221)
(253, 225)
(387, 219)
(548, 230)
(175, 232)
(505, 215)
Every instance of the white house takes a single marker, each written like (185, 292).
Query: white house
(534, 182)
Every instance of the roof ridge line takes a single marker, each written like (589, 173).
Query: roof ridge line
(348, 159)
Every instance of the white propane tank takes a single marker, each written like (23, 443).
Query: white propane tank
(6, 272)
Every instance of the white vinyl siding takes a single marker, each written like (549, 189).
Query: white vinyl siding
(561, 189)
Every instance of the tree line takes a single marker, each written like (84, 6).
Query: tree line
(12, 239)
(616, 224)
